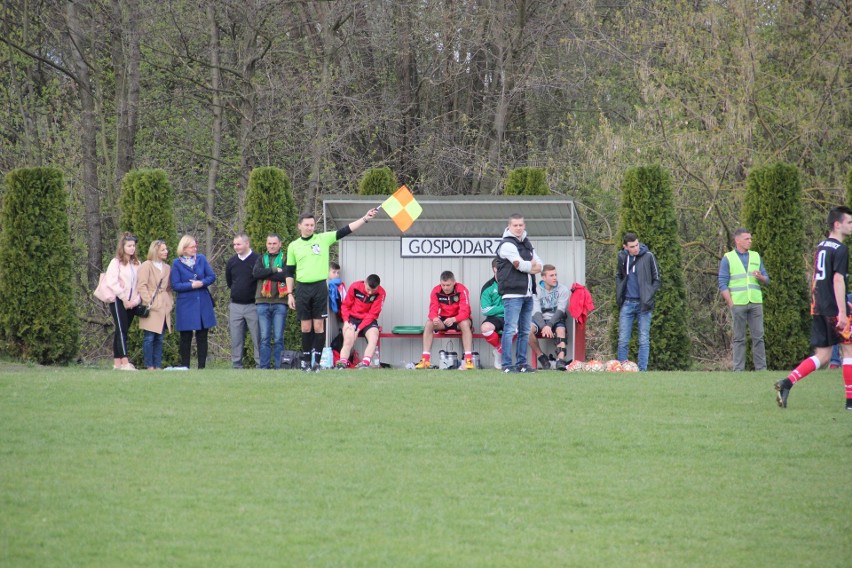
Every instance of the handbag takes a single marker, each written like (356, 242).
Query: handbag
(102, 292)
(143, 311)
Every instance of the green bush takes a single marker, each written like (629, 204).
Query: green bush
(270, 208)
(772, 211)
(378, 181)
(526, 181)
(147, 211)
(38, 321)
(647, 209)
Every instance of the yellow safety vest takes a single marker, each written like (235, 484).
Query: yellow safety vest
(744, 287)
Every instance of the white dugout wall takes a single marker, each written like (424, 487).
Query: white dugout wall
(408, 281)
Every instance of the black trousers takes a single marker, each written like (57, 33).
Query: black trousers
(185, 347)
(122, 319)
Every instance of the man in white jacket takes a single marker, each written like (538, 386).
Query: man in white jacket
(516, 265)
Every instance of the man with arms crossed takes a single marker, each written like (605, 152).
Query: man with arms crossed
(517, 263)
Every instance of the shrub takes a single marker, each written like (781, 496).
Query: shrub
(37, 314)
(772, 211)
(147, 211)
(378, 181)
(526, 181)
(270, 208)
(647, 209)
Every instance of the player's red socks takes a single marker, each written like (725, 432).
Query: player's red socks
(847, 377)
(804, 369)
(427, 356)
(493, 339)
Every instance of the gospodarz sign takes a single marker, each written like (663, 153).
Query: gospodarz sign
(431, 247)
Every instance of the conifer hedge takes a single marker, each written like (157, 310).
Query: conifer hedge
(38, 321)
(647, 209)
(526, 181)
(147, 211)
(772, 211)
(271, 208)
(378, 181)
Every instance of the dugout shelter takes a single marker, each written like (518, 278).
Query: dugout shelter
(456, 233)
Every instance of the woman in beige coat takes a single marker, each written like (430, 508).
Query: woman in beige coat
(155, 287)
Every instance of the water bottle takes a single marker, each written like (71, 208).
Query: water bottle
(476, 363)
(454, 360)
(444, 360)
(327, 358)
(376, 361)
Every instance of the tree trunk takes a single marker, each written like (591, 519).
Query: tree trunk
(88, 144)
(216, 104)
(126, 59)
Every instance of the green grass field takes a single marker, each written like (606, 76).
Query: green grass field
(421, 468)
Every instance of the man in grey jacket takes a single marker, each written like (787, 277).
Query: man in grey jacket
(550, 306)
(637, 281)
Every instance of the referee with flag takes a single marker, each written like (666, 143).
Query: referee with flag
(307, 269)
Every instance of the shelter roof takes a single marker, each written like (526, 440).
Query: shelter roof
(461, 215)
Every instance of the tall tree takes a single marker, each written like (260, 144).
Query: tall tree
(78, 46)
(36, 269)
(647, 209)
(773, 212)
(147, 211)
(271, 209)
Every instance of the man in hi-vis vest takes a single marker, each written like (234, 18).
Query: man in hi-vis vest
(741, 274)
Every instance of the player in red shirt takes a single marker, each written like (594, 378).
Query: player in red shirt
(829, 309)
(360, 311)
(449, 310)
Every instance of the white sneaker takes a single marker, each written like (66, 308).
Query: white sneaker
(128, 367)
(497, 358)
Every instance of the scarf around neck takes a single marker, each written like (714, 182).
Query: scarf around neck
(266, 287)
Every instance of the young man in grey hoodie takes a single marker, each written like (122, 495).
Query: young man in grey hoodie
(637, 281)
(550, 309)
(517, 263)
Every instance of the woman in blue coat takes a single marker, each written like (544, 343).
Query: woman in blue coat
(191, 276)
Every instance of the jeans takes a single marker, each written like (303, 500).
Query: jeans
(271, 318)
(751, 315)
(517, 317)
(152, 349)
(630, 312)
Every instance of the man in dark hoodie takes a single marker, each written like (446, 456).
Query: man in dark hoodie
(637, 282)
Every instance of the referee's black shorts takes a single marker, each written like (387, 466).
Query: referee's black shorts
(311, 300)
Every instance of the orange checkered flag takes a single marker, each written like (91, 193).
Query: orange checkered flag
(402, 208)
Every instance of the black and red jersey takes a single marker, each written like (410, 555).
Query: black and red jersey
(832, 257)
(456, 304)
(361, 305)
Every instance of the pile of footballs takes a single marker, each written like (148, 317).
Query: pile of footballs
(595, 366)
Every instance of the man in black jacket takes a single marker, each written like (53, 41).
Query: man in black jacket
(242, 313)
(637, 282)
